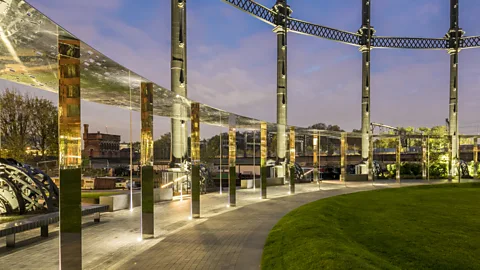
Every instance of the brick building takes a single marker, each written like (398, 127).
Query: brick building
(100, 145)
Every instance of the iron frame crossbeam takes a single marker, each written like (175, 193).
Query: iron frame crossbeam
(297, 26)
(410, 43)
(310, 29)
(470, 42)
(255, 9)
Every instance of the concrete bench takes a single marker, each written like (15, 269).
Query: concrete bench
(122, 201)
(9, 229)
(248, 183)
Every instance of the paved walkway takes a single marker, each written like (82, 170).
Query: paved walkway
(224, 238)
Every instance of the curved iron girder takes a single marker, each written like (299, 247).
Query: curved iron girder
(261, 12)
(306, 28)
(410, 43)
(301, 27)
(470, 42)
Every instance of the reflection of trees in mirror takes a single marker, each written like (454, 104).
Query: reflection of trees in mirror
(29, 126)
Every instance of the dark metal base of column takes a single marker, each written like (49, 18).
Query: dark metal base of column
(70, 219)
(147, 226)
(195, 191)
(263, 183)
(292, 180)
(175, 161)
(147, 202)
(70, 250)
(232, 185)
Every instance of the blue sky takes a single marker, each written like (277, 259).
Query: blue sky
(232, 59)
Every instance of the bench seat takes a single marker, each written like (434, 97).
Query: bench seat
(9, 229)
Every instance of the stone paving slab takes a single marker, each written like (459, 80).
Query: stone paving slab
(225, 238)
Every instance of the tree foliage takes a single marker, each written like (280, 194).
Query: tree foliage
(27, 122)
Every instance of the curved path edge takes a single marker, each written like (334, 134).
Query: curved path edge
(233, 240)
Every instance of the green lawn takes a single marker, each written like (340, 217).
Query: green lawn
(424, 227)
(97, 195)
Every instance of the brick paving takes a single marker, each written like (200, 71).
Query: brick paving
(224, 238)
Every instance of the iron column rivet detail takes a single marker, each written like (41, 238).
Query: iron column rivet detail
(195, 150)
(70, 151)
(146, 159)
(179, 146)
(232, 157)
(292, 160)
(263, 159)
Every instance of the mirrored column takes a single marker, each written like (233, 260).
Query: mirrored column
(475, 157)
(292, 160)
(315, 158)
(70, 152)
(424, 158)
(450, 157)
(398, 160)
(263, 159)
(343, 156)
(195, 145)
(146, 159)
(370, 158)
(232, 157)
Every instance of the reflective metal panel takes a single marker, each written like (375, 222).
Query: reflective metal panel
(70, 144)
(343, 148)
(147, 125)
(195, 134)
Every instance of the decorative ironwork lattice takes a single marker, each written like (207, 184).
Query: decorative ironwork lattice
(254, 9)
(410, 43)
(470, 42)
(323, 32)
(301, 27)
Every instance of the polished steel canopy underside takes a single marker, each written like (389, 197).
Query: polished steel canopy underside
(28, 55)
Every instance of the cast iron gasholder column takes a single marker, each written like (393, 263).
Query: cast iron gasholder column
(179, 79)
(281, 20)
(366, 32)
(454, 35)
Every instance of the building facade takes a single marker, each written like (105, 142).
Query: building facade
(100, 145)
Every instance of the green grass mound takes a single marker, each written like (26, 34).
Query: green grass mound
(423, 227)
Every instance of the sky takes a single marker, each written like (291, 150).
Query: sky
(232, 60)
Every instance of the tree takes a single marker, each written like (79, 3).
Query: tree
(43, 126)
(28, 122)
(212, 149)
(162, 147)
(15, 117)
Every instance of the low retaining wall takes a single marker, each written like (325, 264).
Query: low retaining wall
(122, 201)
(356, 177)
(248, 183)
